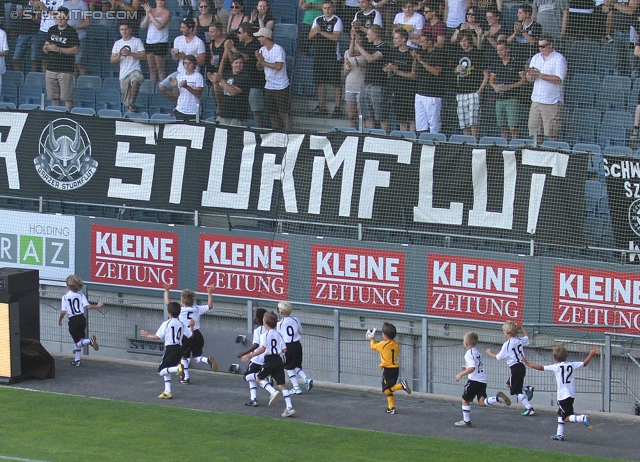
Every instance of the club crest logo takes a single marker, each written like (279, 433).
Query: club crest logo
(634, 216)
(64, 155)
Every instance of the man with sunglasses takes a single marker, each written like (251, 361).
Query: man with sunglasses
(432, 23)
(547, 71)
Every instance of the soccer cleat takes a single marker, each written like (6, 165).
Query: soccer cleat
(252, 403)
(289, 412)
(296, 390)
(557, 438)
(504, 399)
(94, 343)
(165, 395)
(587, 423)
(212, 363)
(529, 412)
(309, 383)
(405, 386)
(185, 381)
(275, 396)
(75, 363)
(529, 392)
(391, 411)
(180, 372)
(464, 424)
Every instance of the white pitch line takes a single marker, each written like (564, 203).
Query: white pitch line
(20, 459)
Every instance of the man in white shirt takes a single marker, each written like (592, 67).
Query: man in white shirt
(547, 70)
(186, 44)
(189, 85)
(128, 51)
(4, 51)
(273, 60)
(47, 20)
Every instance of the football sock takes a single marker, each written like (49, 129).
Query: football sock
(577, 418)
(491, 400)
(267, 386)
(250, 378)
(301, 373)
(466, 413)
(293, 378)
(287, 398)
(201, 359)
(77, 352)
(524, 400)
(167, 384)
(560, 426)
(185, 364)
(396, 387)
(253, 389)
(391, 402)
(172, 369)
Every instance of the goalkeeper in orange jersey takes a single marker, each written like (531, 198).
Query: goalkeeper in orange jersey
(389, 352)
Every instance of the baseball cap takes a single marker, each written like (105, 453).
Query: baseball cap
(264, 32)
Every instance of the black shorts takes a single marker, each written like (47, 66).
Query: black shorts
(389, 377)
(252, 368)
(293, 356)
(277, 101)
(274, 367)
(171, 358)
(193, 345)
(160, 49)
(327, 70)
(474, 390)
(565, 408)
(77, 327)
(516, 382)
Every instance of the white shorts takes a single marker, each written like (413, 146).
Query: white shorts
(428, 109)
(352, 96)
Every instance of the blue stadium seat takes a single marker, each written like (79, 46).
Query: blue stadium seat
(37, 78)
(208, 107)
(463, 139)
(432, 138)
(30, 93)
(407, 135)
(609, 135)
(284, 13)
(289, 44)
(617, 82)
(303, 83)
(108, 99)
(158, 104)
(581, 90)
(28, 106)
(623, 118)
(14, 77)
(286, 30)
(549, 144)
(109, 114)
(520, 142)
(493, 141)
(111, 83)
(162, 118)
(56, 108)
(611, 99)
(606, 60)
(582, 56)
(4, 105)
(9, 93)
(86, 111)
(617, 151)
(84, 97)
(89, 81)
(344, 129)
(374, 131)
(142, 101)
(137, 116)
(148, 86)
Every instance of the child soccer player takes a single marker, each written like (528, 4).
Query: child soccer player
(172, 331)
(389, 352)
(73, 305)
(192, 346)
(566, 387)
(257, 361)
(477, 384)
(290, 328)
(513, 351)
(272, 345)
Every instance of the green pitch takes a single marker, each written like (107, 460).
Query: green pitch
(50, 427)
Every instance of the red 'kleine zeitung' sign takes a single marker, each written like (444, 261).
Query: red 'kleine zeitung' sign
(357, 278)
(475, 289)
(245, 267)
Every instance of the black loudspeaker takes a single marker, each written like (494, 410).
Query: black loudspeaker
(19, 318)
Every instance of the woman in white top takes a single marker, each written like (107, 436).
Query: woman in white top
(354, 64)
(157, 45)
(409, 20)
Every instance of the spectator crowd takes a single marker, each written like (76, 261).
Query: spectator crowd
(416, 65)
